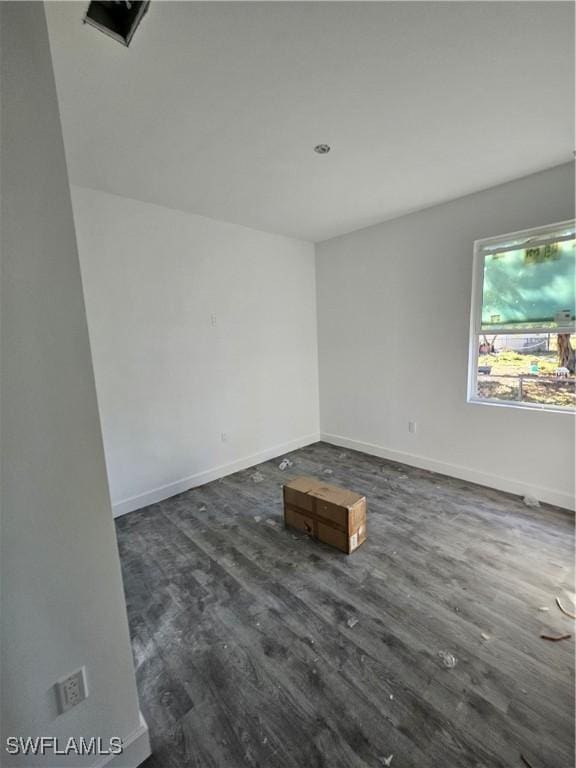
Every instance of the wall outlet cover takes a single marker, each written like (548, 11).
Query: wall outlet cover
(71, 690)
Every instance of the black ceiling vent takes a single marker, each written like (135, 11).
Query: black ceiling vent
(118, 18)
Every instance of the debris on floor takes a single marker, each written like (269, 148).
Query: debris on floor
(343, 455)
(202, 508)
(257, 518)
(526, 761)
(257, 477)
(352, 623)
(531, 501)
(448, 660)
(285, 464)
(271, 521)
(327, 471)
(564, 611)
(485, 636)
(543, 608)
(556, 638)
(387, 760)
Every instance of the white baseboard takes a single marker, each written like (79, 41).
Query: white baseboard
(136, 749)
(542, 493)
(186, 483)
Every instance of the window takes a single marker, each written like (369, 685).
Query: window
(522, 327)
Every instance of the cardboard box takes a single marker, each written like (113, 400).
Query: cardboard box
(328, 513)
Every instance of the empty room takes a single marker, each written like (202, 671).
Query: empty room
(288, 333)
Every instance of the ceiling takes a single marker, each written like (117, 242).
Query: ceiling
(216, 107)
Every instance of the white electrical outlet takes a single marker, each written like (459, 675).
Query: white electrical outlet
(213, 320)
(224, 437)
(71, 690)
(412, 427)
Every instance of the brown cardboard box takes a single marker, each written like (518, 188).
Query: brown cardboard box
(326, 512)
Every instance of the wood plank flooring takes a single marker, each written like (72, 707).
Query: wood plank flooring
(257, 647)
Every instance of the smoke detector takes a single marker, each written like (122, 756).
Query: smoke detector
(322, 149)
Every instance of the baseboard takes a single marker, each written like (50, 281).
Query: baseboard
(136, 749)
(155, 495)
(542, 493)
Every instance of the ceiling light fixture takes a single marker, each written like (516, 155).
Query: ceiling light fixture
(117, 19)
(322, 149)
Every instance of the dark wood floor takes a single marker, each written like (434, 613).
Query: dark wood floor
(257, 647)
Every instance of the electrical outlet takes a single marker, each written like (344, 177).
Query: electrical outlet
(412, 427)
(71, 690)
(213, 320)
(224, 437)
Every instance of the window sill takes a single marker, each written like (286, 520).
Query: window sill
(523, 406)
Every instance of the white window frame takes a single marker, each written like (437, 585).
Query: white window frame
(480, 254)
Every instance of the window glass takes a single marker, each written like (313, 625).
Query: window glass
(524, 319)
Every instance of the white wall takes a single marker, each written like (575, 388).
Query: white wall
(394, 306)
(62, 597)
(169, 382)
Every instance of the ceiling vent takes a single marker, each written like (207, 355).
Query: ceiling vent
(119, 18)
